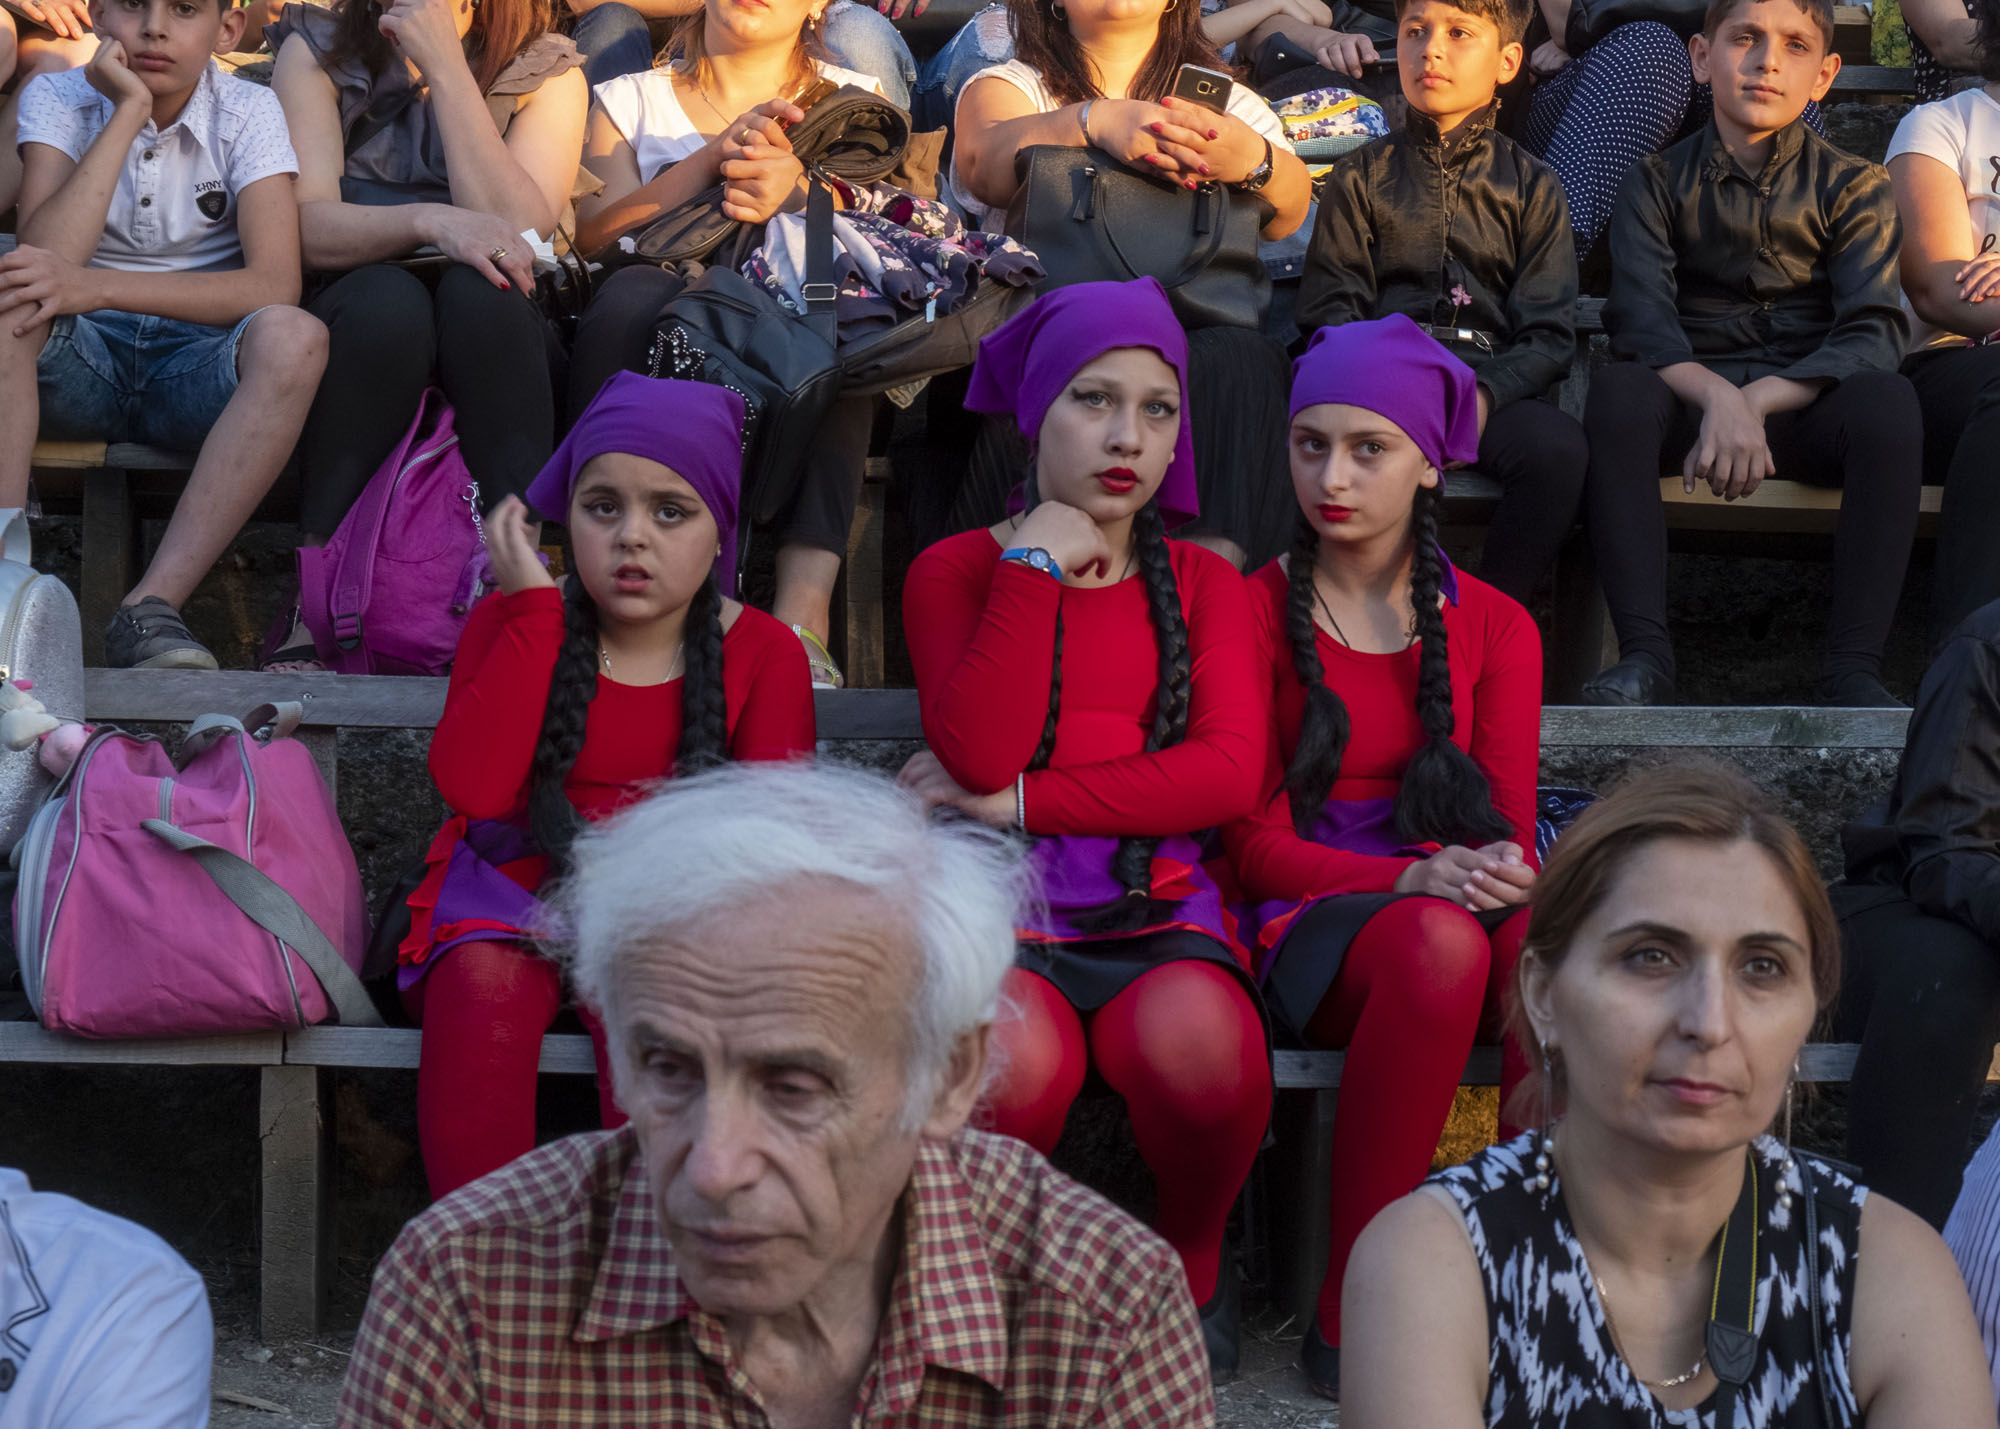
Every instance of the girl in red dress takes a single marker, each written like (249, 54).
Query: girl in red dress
(566, 704)
(1085, 680)
(1395, 852)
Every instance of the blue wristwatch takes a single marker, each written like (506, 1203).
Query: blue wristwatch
(1034, 557)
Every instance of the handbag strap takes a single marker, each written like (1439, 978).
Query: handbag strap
(1202, 222)
(259, 898)
(353, 583)
(819, 290)
(282, 719)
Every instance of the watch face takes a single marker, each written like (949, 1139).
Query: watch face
(1040, 560)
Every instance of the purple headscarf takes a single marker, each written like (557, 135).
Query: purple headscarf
(1025, 363)
(693, 428)
(1393, 368)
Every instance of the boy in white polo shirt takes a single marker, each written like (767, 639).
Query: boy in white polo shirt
(152, 296)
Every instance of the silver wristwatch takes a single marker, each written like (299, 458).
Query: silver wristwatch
(1260, 175)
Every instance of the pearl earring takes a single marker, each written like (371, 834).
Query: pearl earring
(1788, 1166)
(1545, 1153)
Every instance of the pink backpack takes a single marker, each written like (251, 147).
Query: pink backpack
(217, 897)
(389, 593)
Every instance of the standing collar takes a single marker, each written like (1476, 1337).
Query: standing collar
(944, 1307)
(1430, 136)
(1785, 147)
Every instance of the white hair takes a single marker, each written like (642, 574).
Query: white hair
(701, 845)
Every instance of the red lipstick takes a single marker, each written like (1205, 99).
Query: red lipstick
(1118, 479)
(1335, 514)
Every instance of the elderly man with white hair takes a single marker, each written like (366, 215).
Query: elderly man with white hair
(797, 973)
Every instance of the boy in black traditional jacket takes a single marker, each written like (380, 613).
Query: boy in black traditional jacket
(1453, 224)
(1754, 312)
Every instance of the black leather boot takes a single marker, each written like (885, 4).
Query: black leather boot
(1637, 680)
(1320, 1362)
(1222, 1321)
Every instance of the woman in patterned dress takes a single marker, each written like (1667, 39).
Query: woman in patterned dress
(1652, 1256)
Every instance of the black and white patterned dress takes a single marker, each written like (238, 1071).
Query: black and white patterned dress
(1552, 1363)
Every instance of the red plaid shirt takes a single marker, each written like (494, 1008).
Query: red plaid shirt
(545, 1295)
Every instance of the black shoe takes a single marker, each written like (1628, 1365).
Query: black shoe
(1222, 1322)
(150, 635)
(1856, 691)
(1320, 1362)
(1634, 681)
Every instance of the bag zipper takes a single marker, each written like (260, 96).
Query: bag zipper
(250, 852)
(10, 628)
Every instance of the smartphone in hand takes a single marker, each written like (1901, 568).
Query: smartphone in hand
(1207, 87)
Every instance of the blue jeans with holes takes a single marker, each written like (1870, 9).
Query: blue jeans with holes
(616, 39)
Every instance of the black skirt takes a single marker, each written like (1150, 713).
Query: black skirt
(1308, 958)
(1090, 973)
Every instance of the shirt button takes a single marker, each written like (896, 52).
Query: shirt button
(1763, 253)
(147, 155)
(146, 202)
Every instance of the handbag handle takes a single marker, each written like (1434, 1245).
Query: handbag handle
(819, 290)
(1201, 222)
(264, 902)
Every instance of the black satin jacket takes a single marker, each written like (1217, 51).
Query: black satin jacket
(1791, 272)
(1404, 220)
(1937, 840)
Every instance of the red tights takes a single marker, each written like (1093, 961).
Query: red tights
(1417, 983)
(483, 1009)
(1184, 1046)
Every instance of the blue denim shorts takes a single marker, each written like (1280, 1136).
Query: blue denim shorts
(126, 377)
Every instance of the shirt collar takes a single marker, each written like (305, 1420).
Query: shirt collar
(944, 1308)
(1721, 163)
(1460, 143)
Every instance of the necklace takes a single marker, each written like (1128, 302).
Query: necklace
(1617, 1343)
(702, 95)
(1338, 633)
(673, 666)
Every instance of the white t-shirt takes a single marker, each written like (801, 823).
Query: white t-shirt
(174, 209)
(1963, 134)
(648, 113)
(102, 1325)
(1245, 104)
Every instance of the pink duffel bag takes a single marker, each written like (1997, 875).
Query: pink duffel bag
(219, 896)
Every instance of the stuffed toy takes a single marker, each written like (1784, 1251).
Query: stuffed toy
(24, 720)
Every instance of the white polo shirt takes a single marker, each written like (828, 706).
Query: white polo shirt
(175, 206)
(102, 1325)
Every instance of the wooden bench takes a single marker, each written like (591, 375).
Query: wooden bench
(295, 1070)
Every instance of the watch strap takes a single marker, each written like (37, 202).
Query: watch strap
(1033, 557)
(1261, 175)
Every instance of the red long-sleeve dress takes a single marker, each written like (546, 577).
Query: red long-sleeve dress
(482, 755)
(1496, 681)
(982, 636)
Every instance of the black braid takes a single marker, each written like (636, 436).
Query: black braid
(704, 712)
(1030, 496)
(1324, 728)
(1444, 797)
(573, 685)
(1132, 864)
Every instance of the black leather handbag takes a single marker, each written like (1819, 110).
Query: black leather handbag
(1090, 218)
(847, 133)
(1591, 20)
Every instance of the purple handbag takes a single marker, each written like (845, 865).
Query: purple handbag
(389, 593)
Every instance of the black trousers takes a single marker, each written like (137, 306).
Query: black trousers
(615, 334)
(1922, 997)
(1538, 455)
(1959, 389)
(1863, 435)
(390, 335)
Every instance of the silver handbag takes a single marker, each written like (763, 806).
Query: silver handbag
(41, 640)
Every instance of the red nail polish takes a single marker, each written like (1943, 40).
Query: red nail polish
(1214, 133)
(505, 286)
(1204, 168)
(1154, 127)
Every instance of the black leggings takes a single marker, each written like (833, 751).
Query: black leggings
(1922, 997)
(389, 336)
(1863, 436)
(1538, 455)
(615, 334)
(1959, 388)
